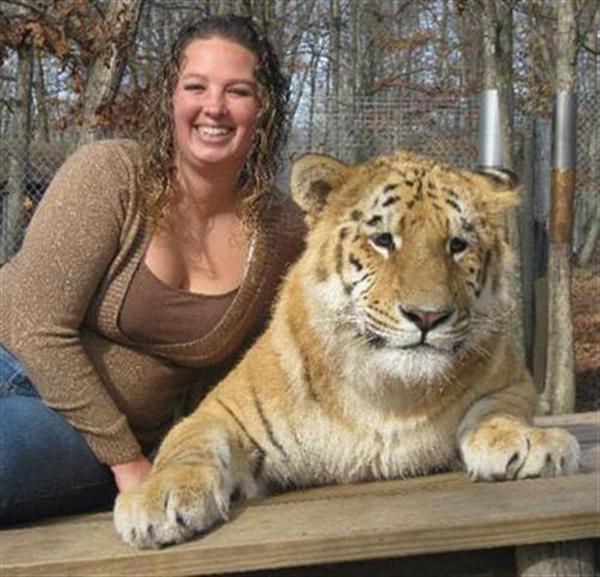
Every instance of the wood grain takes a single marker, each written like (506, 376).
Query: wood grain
(432, 514)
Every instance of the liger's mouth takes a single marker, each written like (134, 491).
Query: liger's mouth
(378, 341)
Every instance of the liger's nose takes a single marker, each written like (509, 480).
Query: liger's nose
(426, 320)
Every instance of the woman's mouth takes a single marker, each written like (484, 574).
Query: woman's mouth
(214, 131)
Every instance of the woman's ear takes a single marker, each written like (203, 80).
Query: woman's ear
(313, 178)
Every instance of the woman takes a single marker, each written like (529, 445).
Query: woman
(146, 268)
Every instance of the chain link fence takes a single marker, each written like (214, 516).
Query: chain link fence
(443, 127)
(438, 126)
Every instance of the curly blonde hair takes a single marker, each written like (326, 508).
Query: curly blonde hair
(156, 134)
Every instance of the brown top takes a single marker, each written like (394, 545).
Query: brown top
(154, 312)
(61, 296)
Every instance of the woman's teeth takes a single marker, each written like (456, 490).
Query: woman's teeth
(214, 130)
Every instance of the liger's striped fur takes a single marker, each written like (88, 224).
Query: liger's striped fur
(387, 356)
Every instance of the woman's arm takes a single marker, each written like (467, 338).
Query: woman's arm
(69, 246)
(130, 475)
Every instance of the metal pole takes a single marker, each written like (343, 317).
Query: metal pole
(491, 149)
(563, 167)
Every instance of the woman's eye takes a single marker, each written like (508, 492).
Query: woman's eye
(240, 92)
(383, 240)
(457, 245)
(194, 87)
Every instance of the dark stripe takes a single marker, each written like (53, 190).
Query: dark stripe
(267, 424)
(339, 256)
(410, 203)
(354, 261)
(241, 426)
(344, 232)
(308, 379)
(358, 281)
(376, 219)
(486, 266)
(420, 190)
(453, 204)
(356, 215)
(391, 200)
(391, 186)
(382, 313)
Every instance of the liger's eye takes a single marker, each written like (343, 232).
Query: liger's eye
(458, 245)
(383, 240)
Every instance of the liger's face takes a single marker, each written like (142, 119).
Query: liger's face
(215, 104)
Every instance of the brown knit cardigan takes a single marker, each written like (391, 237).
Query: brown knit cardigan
(61, 295)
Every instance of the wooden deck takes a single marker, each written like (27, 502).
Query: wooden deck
(394, 519)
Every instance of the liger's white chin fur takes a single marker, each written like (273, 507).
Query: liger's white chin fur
(344, 333)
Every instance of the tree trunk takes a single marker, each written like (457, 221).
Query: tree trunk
(497, 29)
(335, 25)
(105, 72)
(43, 125)
(560, 382)
(11, 227)
(591, 236)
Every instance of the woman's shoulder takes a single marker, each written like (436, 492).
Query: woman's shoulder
(109, 150)
(98, 175)
(104, 166)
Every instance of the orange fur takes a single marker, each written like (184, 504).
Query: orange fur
(387, 355)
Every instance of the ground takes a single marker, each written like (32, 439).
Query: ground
(585, 294)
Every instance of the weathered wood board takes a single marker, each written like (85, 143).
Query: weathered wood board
(432, 514)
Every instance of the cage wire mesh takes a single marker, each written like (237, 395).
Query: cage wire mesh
(439, 126)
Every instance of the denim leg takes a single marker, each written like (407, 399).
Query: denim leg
(46, 467)
(13, 380)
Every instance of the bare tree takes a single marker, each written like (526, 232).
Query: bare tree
(559, 391)
(590, 237)
(497, 28)
(105, 72)
(13, 200)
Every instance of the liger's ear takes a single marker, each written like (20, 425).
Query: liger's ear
(502, 177)
(504, 193)
(313, 178)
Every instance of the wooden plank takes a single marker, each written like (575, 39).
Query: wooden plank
(334, 524)
(471, 516)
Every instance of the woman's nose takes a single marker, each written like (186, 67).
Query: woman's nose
(214, 102)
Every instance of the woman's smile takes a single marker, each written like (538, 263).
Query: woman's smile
(215, 105)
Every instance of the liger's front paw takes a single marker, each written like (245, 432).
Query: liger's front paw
(172, 506)
(503, 448)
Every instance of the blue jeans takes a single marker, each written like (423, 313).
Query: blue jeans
(46, 466)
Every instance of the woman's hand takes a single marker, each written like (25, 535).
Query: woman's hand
(130, 475)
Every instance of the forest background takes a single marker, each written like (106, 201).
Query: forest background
(367, 77)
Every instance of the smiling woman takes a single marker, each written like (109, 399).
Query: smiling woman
(215, 105)
(148, 267)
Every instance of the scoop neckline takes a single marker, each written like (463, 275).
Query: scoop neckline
(184, 292)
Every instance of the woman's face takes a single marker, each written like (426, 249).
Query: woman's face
(215, 104)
